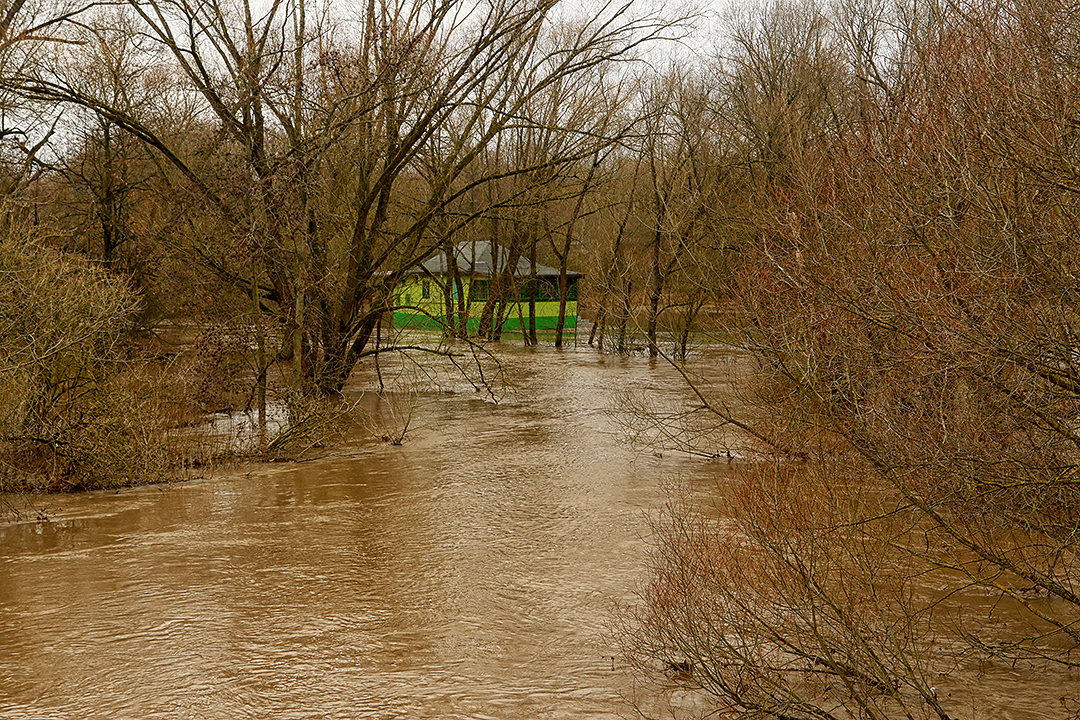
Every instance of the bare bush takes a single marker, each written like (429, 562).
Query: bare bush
(75, 410)
(910, 331)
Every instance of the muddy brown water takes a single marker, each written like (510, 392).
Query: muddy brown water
(469, 573)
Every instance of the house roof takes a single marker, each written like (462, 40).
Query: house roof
(474, 258)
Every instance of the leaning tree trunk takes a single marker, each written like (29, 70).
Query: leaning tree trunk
(656, 289)
(610, 272)
(627, 308)
(343, 345)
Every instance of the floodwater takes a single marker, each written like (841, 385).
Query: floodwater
(469, 573)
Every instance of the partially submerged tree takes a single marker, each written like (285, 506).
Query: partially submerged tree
(335, 152)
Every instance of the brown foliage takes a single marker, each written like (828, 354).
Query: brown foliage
(76, 410)
(911, 327)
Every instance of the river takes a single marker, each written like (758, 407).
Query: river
(469, 573)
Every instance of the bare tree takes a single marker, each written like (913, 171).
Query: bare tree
(670, 227)
(327, 132)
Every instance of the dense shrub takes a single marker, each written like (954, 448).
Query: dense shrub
(74, 411)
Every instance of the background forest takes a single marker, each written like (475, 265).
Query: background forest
(874, 202)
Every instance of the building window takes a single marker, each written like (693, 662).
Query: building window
(480, 289)
(425, 289)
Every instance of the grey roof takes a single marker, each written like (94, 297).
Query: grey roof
(474, 257)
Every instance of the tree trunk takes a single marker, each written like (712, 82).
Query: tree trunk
(656, 288)
(455, 317)
(530, 339)
(598, 325)
(612, 267)
(487, 314)
(564, 256)
(625, 316)
(502, 286)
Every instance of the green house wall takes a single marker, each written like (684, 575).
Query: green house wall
(429, 313)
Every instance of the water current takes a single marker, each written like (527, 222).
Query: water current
(471, 572)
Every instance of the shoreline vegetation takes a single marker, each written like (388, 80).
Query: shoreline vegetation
(90, 401)
(96, 395)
